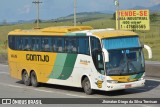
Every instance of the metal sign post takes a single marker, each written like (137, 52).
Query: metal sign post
(37, 3)
(75, 6)
(117, 10)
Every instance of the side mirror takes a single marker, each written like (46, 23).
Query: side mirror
(149, 50)
(106, 55)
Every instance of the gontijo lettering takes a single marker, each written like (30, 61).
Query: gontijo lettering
(40, 58)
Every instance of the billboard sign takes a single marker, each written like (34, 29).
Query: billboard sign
(133, 20)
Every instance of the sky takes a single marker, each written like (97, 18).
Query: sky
(14, 10)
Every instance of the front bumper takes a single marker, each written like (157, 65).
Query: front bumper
(121, 86)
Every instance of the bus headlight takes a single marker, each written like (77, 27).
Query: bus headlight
(112, 81)
(140, 79)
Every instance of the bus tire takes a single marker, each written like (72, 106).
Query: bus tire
(87, 86)
(26, 79)
(34, 81)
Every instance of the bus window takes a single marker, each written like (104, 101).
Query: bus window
(96, 47)
(35, 45)
(26, 43)
(71, 45)
(83, 46)
(12, 42)
(99, 62)
(46, 44)
(60, 44)
(38, 43)
(19, 44)
(53, 44)
(95, 44)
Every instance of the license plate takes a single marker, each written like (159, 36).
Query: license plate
(128, 86)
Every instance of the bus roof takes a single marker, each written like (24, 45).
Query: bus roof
(58, 30)
(113, 33)
(108, 33)
(66, 30)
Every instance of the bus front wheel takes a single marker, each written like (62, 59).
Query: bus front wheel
(34, 81)
(26, 79)
(87, 86)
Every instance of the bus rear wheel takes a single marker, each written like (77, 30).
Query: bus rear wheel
(34, 81)
(26, 79)
(87, 86)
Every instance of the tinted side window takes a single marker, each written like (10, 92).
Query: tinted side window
(83, 46)
(11, 41)
(26, 44)
(54, 44)
(71, 45)
(19, 43)
(60, 44)
(46, 44)
(35, 43)
(95, 44)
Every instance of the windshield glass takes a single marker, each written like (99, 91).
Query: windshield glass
(125, 61)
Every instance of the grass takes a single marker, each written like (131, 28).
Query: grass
(3, 49)
(151, 37)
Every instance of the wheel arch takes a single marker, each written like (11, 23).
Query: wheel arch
(86, 76)
(23, 70)
(37, 75)
(31, 72)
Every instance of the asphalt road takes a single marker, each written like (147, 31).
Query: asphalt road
(12, 88)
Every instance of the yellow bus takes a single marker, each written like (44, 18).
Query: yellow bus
(93, 59)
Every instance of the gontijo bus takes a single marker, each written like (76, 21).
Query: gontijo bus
(101, 59)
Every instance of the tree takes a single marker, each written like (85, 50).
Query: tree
(153, 17)
(39, 21)
(114, 16)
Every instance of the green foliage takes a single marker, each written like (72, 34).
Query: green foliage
(114, 16)
(153, 17)
(38, 20)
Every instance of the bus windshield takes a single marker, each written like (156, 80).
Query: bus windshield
(125, 55)
(125, 62)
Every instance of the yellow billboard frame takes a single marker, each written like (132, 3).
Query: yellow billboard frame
(133, 20)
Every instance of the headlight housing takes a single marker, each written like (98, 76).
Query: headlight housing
(112, 81)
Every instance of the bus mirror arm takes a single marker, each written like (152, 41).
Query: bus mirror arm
(149, 50)
(106, 55)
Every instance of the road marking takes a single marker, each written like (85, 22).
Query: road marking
(153, 80)
(59, 93)
(15, 86)
(4, 73)
(41, 90)
(76, 95)
(3, 65)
